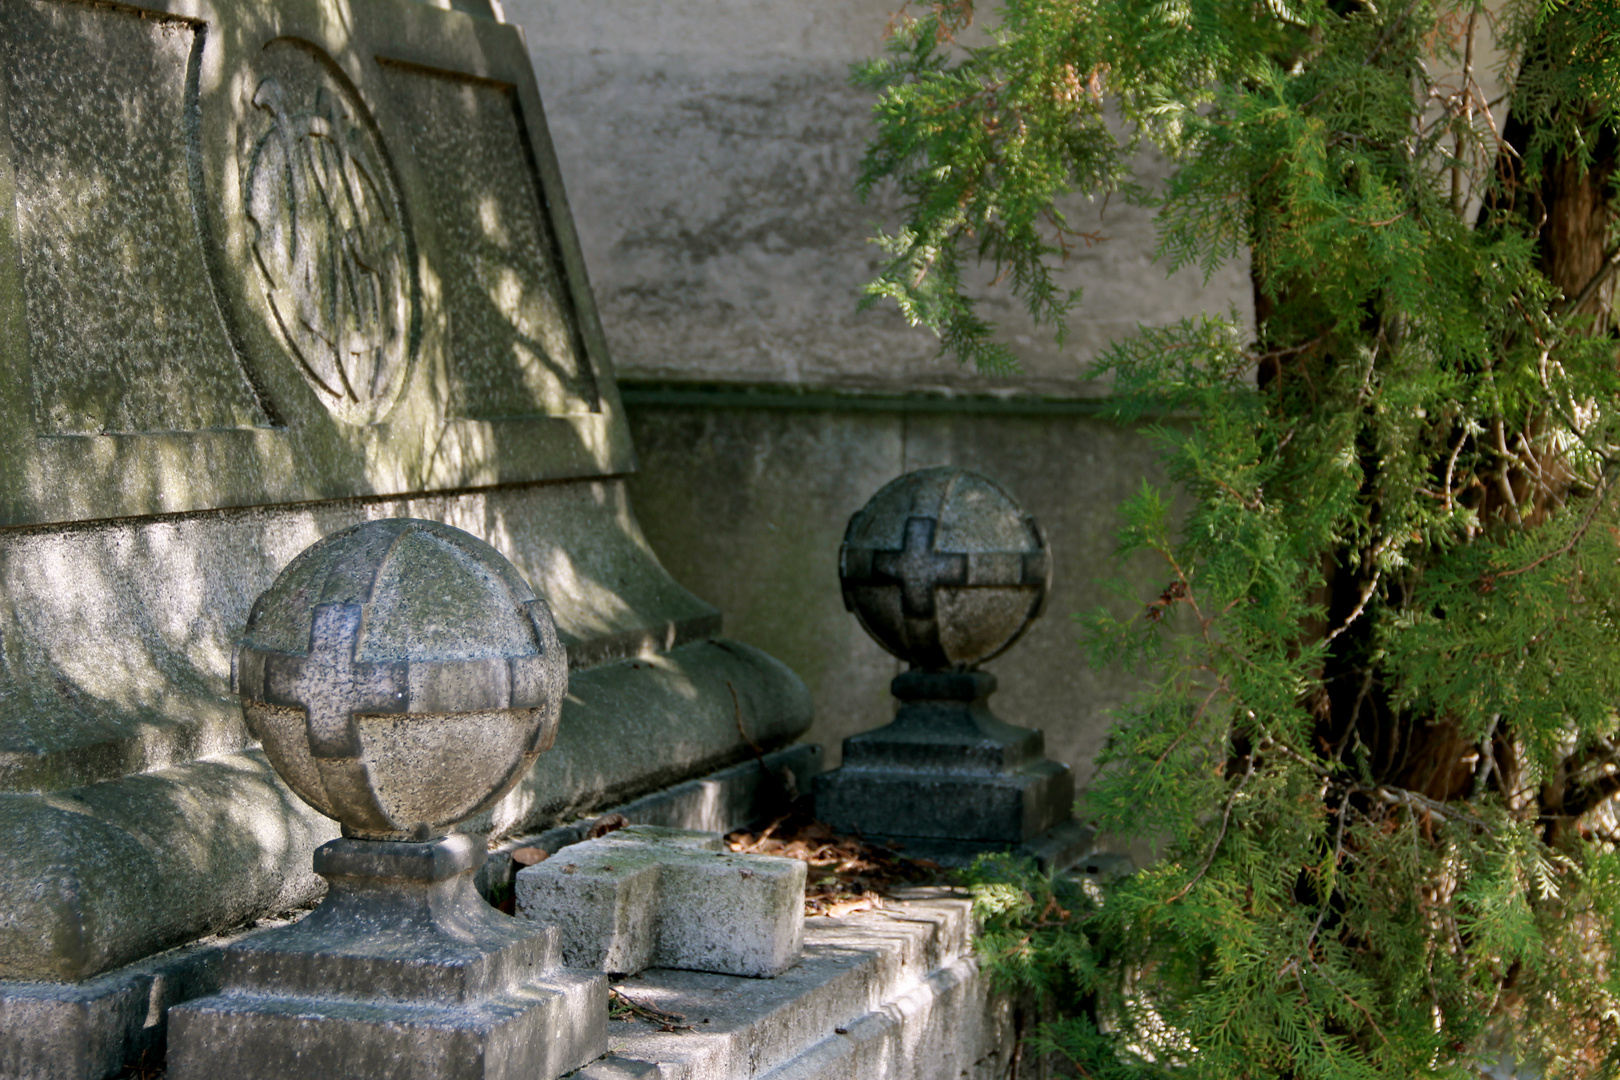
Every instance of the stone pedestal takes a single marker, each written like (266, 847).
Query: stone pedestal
(949, 780)
(403, 971)
(945, 570)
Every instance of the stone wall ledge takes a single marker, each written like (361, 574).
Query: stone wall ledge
(202, 727)
(116, 636)
(963, 394)
(893, 994)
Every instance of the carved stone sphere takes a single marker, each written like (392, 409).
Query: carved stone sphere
(944, 569)
(402, 677)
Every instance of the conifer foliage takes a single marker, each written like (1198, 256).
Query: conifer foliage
(1380, 744)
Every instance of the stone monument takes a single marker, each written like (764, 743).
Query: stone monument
(269, 271)
(945, 571)
(401, 676)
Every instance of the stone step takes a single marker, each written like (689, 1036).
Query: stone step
(879, 995)
(946, 1027)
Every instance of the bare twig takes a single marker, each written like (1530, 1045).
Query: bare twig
(1467, 95)
(629, 1006)
(1487, 757)
(1361, 606)
(1398, 796)
(1451, 464)
(1361, 699)
(1599, 497)
(1338, 853)
(1226, 818)
(1502, 480)
(1273, 743)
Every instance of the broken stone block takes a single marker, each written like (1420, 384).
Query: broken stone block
(651, 897)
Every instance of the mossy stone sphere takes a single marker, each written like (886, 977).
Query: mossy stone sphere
(402, 677)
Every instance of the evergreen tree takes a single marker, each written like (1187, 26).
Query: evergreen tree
(1381, 742)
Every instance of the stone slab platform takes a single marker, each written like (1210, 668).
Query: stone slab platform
(879, 995)
(94, 1029)
(992, 808)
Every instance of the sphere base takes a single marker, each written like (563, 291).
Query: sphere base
(403, 971)
(948, 774)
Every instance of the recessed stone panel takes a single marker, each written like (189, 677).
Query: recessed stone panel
(515, 346)
(124, 334)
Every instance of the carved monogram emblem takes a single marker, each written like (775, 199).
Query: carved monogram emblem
(328, 238)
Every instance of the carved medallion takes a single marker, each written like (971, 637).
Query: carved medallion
(327, 232)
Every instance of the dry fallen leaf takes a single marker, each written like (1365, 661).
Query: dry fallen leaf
(528, 856)
(846, 873)
(844, 907)
(605, 824)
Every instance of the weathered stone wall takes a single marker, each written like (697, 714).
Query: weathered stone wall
(747, 507)
(710, 150)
